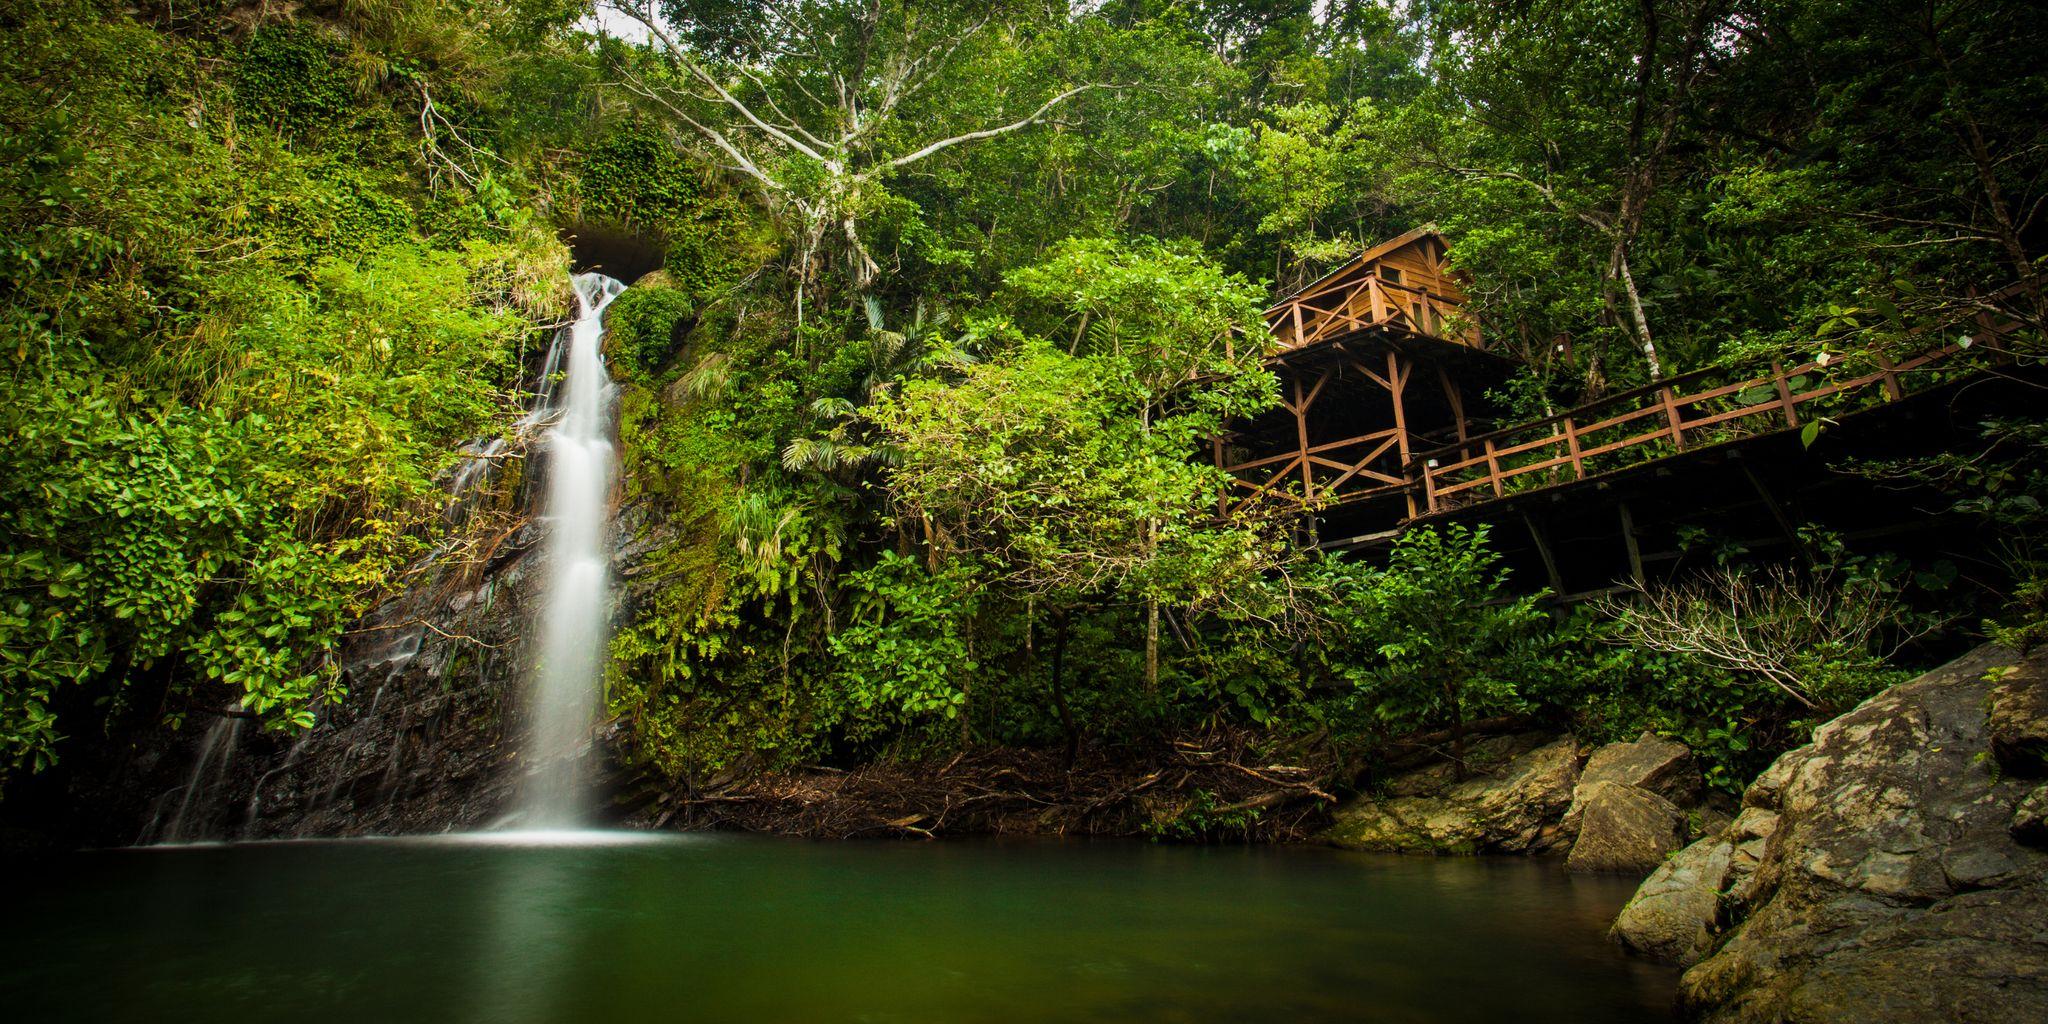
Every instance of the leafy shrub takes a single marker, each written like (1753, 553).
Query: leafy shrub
(906, 656)
(1435, 639)
(636, 178)
(239, 366)
(289, 77)
(1821, 639)
(644, 326)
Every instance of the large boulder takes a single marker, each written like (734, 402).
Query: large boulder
(1662, 766)
(1675, 916)
(1624, 829)
(1519, 789)
(1671, 917)
(2030, 819)
(1628, 810)
(1889, 885)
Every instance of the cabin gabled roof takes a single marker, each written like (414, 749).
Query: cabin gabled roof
(1369, 256)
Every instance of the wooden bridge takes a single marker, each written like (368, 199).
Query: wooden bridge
(1383, 382)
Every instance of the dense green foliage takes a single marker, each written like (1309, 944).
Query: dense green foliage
(246, 331)
(947, 296)
(931, 458)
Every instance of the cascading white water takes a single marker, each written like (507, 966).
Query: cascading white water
(562, 696)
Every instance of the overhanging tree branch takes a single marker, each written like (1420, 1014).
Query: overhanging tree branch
(989, 133)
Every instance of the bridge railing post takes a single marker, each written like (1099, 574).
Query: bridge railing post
(1784, 393)
(1571, 440)
(1671, 417)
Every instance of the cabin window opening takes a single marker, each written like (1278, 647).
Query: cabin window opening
(1390, 275)
(1416, 309)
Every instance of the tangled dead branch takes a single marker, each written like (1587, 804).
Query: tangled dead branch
(1769, 623)
(1221, 771)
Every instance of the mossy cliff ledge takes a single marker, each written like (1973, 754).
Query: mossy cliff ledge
(1888, 871)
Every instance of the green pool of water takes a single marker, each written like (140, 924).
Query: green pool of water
(682, 928)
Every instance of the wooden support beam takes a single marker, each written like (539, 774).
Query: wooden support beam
(1398, 374)
(1308, 481)
(1671, 417)
(1770, 501)
(1891, 378)
(1321, 379)
(1571, 438)
(1635, 549)
(1455, 398)
(1543, 548)
(1376, 378)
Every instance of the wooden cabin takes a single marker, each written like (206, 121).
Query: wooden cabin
(1402, 283)
(1377, 361)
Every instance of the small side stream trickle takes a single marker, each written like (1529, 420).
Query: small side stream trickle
(202, 797)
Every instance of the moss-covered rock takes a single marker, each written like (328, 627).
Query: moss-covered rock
(1624, 829)
(1513, 807)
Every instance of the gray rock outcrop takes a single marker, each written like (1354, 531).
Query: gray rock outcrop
(1624, 829)
(1661, 766)
(1874, 874)
(1629, 809)
(1519, 789)
(2018, 724)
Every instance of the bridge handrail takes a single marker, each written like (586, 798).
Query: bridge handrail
(1441, 473)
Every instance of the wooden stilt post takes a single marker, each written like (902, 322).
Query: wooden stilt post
(1398, 382)
(1308, 481)
(1891, 378)
(1453, 396)
(1785, 394)
(1671, 417)
(1635, 549)
(1571, 440)
(1777, 511)
(1543, 548)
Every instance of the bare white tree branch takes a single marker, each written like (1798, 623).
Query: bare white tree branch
(989, 133)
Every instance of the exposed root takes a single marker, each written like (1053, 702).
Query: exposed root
(1221, 784)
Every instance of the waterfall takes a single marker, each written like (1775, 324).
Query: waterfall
(563, 691)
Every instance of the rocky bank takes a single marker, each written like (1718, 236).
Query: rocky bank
(1621, 807)
(1891, 870)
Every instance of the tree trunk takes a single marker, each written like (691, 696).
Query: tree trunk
(1059, 693)
(1640, 321)
(1151, 645)
(1151, 602)
(967, 693)
(1458, 769)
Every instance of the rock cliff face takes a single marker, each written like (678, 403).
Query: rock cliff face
(425, 741)
(1882, 872)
